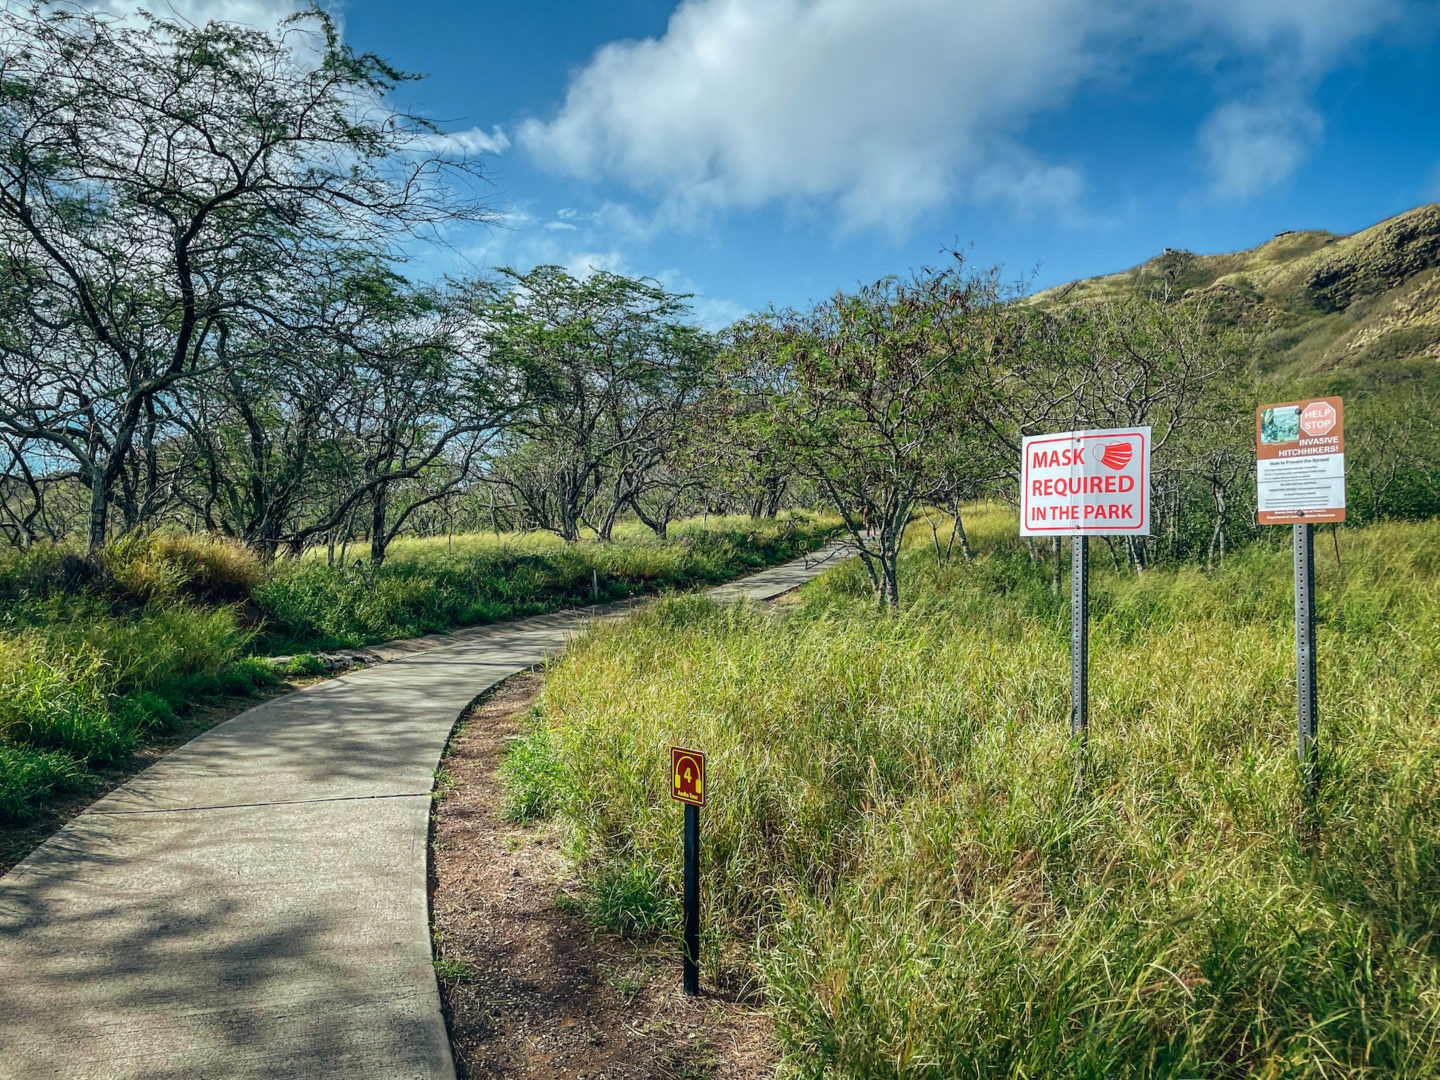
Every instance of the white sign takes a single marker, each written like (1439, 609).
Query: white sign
(1086, 483)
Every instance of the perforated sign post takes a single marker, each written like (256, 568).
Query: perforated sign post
(1082, 484)
(687, 785)
(1300, 479)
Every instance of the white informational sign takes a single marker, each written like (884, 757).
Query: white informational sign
(1300, 461)
(1086, 483)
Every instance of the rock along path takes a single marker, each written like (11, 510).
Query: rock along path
(254, 905)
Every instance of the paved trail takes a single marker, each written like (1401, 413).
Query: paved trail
(254, 905)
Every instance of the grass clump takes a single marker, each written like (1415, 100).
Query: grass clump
(96, 654)
(93, 659)
(28, 775)
(630, 898)
(428, 586)
(531, 776)
(897, 848)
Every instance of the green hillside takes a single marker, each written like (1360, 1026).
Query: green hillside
(1368, 303)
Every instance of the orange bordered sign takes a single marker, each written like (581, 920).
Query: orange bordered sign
(1300, 461)
(687, 776)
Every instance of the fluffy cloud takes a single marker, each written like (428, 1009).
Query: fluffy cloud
(1251, 147)
(1303, 35)
(885, 111)
(883, 108)
(470, 141)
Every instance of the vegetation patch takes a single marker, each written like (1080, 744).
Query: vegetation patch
(897, 847)
(430, 585)
(93, 663)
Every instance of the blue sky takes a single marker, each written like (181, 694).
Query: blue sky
(759, 151)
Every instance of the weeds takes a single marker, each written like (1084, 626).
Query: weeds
(894, 844)
(95, 655)
(531, 776)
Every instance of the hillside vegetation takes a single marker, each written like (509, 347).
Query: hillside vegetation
(1321, 303)
(898, 857)
(96, 655)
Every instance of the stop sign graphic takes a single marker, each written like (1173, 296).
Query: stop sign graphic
(1317, 419)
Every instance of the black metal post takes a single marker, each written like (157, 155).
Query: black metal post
(1305, 707)
(1080, 637)
(692, 900)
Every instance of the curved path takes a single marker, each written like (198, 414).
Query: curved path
(254, 905)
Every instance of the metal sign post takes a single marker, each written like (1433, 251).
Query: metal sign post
(687, 785)
(1082, 484)
(692, 900)
(1300, 479)
(1305, 707)
(1080, 638)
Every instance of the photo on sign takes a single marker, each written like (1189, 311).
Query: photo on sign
(1280, 424)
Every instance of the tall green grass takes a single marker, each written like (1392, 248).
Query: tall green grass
(898, 855)
(436, 584)
(94, 656)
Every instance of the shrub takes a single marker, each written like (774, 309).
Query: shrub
(28, 775)
(532, 780)
(896, 839)
(305, 664)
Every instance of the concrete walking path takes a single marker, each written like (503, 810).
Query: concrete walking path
(255, 904)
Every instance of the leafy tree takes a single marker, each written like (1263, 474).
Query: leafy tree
(869, 403)
(615, 364)
(156, 179)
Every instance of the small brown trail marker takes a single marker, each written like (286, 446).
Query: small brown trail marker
(1300, 477)
(687, 785)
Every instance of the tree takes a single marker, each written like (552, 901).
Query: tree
(614, 364)
(869, 402)
(1121, 364)
(154, 180)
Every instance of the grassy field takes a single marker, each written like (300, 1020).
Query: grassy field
(898, 858)
(434, 584)
(94, 658)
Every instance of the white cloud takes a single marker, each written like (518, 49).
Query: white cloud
(471, 141)
(1251, 147)
(881, 108)
(1304, 35)
(261, 14)
(881, 112)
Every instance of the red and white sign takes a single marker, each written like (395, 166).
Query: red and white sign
(1086, 483)
(1318, 418)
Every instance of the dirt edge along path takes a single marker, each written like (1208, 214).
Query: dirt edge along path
(529, 988)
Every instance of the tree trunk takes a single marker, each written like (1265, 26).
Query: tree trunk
(935, 536)
(377, 526)
(1217, 537)
(95, 540)
(960, 532)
